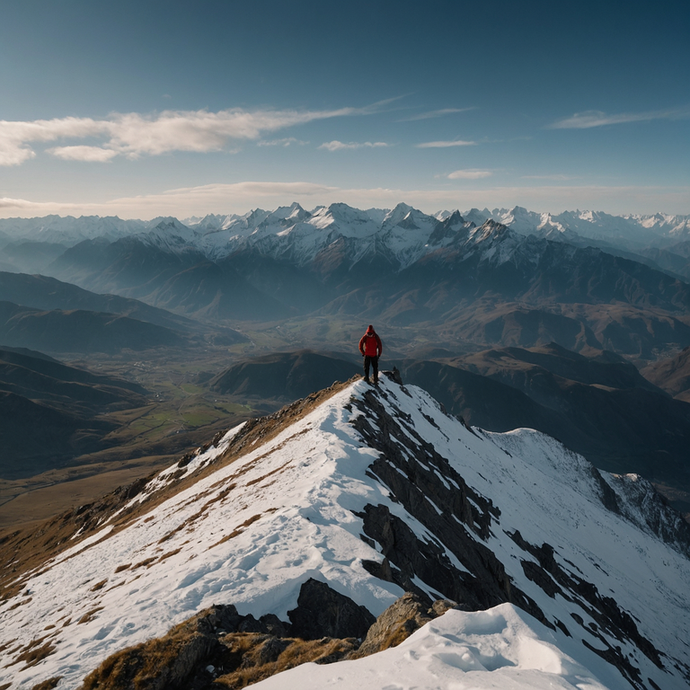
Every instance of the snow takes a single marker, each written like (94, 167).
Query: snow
(252, 531)
(499, 649)
(403, 232)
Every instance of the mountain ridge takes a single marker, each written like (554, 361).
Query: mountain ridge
(374, 492)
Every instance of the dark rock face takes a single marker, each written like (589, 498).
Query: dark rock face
(323, 612)
(413, 478)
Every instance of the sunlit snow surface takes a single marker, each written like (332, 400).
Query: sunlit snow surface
(252, 532)
(499, 649)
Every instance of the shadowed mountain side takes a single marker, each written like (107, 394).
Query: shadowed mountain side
(283, 375)
(42, 292)
(80, 331)
(673, 374)
(208, 290)
(514, 325)
(480, 401)
(37, 437)
(299, 290)
(643, 333)
(49, 381)
(125, 265)
(537, 272)
(513, 365)
(47, 411)
(669, 260)
(32, 256)
(618, 429)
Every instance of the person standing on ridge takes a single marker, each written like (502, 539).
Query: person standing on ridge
(371, 348)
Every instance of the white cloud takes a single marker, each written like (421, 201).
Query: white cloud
(597, 118)
(445, 144)
(134, 135)
(89, 154)
(339, 145)
(469, 174)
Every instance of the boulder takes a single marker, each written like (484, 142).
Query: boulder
(399, 621)
(323, 612)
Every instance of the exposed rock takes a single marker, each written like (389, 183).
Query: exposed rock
(399, 621)
(456, 515)
(323, 612)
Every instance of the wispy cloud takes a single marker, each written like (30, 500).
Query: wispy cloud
(445, 144)
(133, 134)
(339, 145)
(435, 113)
(469, 174)
(287, 141)
(597, 118)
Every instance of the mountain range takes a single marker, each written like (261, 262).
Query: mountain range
(584, 280)
(311, 522)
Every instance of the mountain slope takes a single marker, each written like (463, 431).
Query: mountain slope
(372, 491)
(672, 374)
(79, 331)
(282, 375)
(42, 292)
(48, 411)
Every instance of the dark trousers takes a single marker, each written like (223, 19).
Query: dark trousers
(374, 363)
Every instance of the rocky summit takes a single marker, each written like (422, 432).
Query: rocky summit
(289, 538)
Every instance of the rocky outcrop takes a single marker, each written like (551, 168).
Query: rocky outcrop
(323, 612)
(220, 648)
(399, 621)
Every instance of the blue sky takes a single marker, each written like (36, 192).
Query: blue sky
(159, 107)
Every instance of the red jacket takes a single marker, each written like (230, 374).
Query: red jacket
(370, 343)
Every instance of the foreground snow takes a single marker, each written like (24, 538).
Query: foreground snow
(499, 649)
(253, 531)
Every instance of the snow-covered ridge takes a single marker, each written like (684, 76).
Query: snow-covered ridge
(374, 491)
(404, 234)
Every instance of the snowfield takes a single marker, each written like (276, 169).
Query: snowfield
(251, 532)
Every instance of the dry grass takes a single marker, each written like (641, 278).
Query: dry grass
(254, 668)
(239, 529)
(48, 684)
(241, 658)
(35, 651)
(169, 554)
(89, 616)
